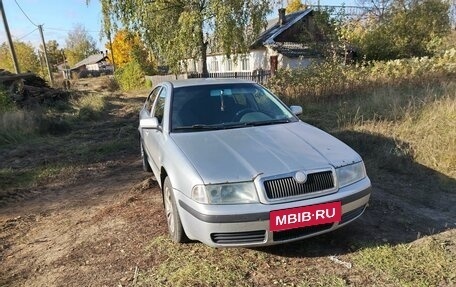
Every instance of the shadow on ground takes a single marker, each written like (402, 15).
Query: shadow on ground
(408, 201)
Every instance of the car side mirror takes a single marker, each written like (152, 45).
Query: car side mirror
(150, 123)
(297, 110)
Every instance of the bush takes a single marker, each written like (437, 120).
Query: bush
(149, 84)
(111, 84)
(130, 76)
(331, 79)
(6, 104)
(414, 29)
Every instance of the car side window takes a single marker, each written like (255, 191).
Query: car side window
(159, 107)
(151, 99)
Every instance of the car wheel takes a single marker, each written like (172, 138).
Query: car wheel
(175, 228)
(145, 162)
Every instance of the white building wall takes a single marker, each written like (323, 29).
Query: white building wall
(93, 67)
(255, 59)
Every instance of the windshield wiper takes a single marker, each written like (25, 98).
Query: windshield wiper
(269, 122)
(212, 127)
(198, 127)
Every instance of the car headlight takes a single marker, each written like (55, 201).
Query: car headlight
(230, 193)
(351, 173)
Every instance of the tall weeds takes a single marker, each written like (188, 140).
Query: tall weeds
(329, 79)
(402, 109)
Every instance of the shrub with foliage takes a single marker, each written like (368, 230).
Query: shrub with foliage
(412, 29)
(6, 104)
(130, 76)
(332, 78)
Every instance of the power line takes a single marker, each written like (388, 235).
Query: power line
(20, 38)
(66, 30)
(25, 13)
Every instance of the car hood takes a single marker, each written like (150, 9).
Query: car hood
(242, 154)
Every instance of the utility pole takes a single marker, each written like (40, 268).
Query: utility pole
(8, 36)
(51, 80)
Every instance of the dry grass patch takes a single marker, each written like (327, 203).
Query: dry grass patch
(425, 263)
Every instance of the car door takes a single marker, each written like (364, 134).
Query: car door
(154, 137)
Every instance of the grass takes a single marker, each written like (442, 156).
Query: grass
(16, 126)
(198, 265)
(204, 267)
(427, 263)
(90, 107)
(10, 177)
(66, 136)
(421, 121)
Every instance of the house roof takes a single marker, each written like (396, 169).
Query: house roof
(274, 29)
(92, 59)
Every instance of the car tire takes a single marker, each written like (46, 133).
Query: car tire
(175, 229)
(145, 163)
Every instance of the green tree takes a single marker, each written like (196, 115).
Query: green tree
(26, 56)
(407, 29)
(79, 45)
(55, 55)
(180, 29)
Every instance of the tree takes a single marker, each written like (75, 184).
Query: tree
(127, 47)
(55, 55)
(378, 7)
(28, 59)
(412, 28)
(79, 45)
(180, 29)
(294, 6)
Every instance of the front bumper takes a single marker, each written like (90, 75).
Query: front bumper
(248, 224)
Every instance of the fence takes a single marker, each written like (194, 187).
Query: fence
(259, 76)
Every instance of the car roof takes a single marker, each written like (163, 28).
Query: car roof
(207, 81)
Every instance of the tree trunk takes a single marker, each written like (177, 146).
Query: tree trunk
(203, 47)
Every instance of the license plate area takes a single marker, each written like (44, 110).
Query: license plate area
(291, 218)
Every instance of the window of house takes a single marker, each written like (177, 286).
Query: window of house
(245, 63)
(229, 65)
(215, 66)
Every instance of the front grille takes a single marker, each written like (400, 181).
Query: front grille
(299, 232)
(239, 237)
(288, 186)
(352, 214)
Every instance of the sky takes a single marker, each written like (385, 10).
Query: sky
(60, 16)
(57, 17)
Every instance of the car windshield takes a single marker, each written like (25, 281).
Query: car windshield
(224, 106)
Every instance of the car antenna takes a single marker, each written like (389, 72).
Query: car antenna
(222, 104)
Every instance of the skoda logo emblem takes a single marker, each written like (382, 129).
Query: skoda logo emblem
(300, 177)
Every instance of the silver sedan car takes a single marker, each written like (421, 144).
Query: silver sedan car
(237, 167)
